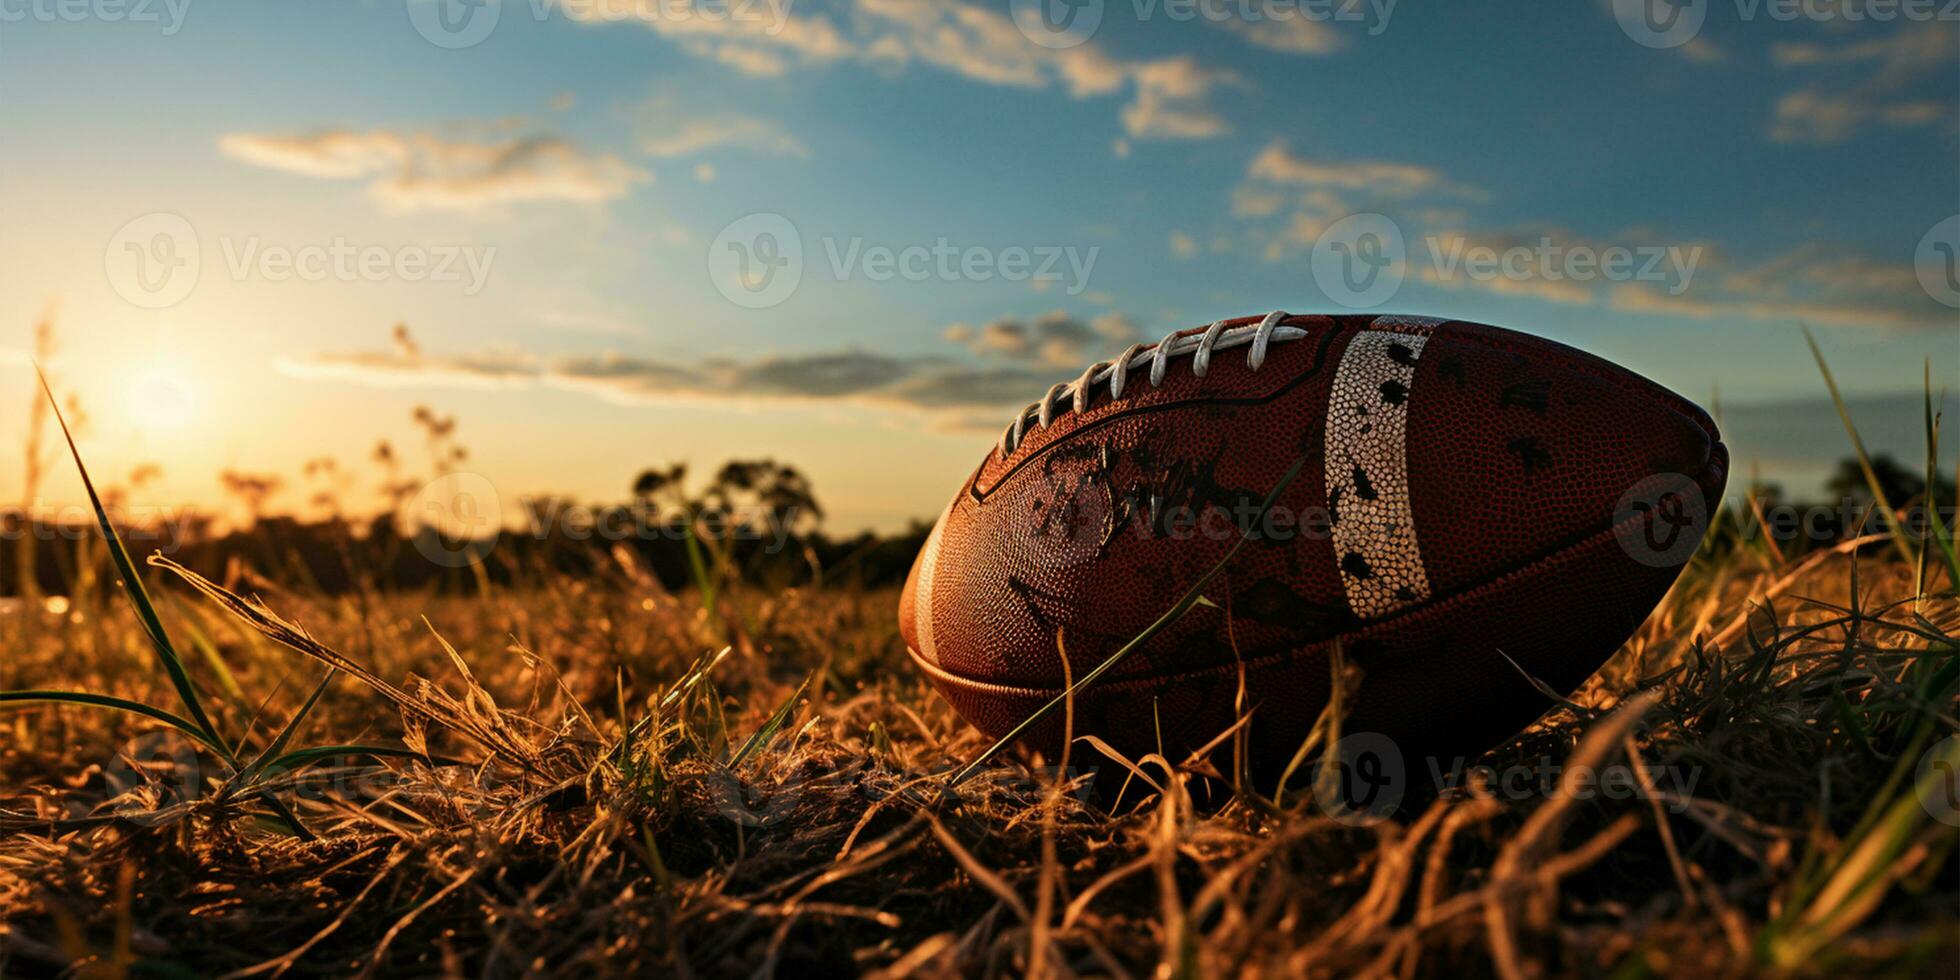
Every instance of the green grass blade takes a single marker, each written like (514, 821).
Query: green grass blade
(278, 746)
(301, 758)
(202, 642)
(183, 725)
(1172, 615)
(1899, 537)
(1937, 529)
(139, 597)
(769, 728)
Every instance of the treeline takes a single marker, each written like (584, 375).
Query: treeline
(334, 556)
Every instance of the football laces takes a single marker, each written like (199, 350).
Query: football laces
(1116, 372)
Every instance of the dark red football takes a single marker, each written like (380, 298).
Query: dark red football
(1469, 493)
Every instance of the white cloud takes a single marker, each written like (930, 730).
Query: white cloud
(976, 41)
(1826, 113)
(1017, 361)
(760, 38)
(1286, 201)
(1289, 35)
(1170, 101)
(1820, 283)
(410, 171)
(666, 134)
(1279, 165)
(1053, 340)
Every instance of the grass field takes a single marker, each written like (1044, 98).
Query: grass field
(594, 774)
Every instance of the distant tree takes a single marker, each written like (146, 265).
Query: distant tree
(781, 491)
(252, 490)
(652, 484)
(1900, 483)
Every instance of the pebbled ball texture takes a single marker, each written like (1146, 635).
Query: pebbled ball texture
(1502, 524)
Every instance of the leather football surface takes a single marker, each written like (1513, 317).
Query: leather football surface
(1475, 504)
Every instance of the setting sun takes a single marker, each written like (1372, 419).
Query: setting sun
(162, 396)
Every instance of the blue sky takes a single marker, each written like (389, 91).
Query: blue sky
(1189, 169)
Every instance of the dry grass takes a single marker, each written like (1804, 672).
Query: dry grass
(622, 799)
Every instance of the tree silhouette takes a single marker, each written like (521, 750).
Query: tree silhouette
(1900, 483)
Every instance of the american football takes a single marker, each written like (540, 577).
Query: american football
(1477, 508)
(979, 488)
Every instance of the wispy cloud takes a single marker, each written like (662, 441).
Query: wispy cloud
(1300, 196)
(1825, 284)
(1288, 35)
(761, 38)
(1279, 165)
(666, 130)
(1895, 64)
(1169, 97)
(411, 171)
(1055, 340)
(1172, 101)
(1017, 360)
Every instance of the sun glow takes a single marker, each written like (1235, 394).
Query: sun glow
(162, 397)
